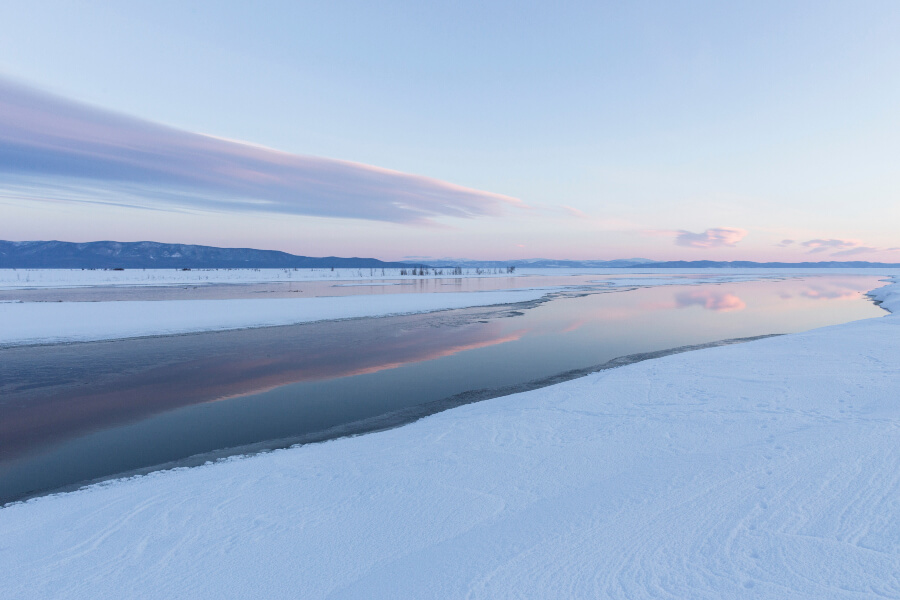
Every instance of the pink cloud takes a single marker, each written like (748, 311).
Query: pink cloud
(52, 144)
(856, 250)
(823, 245)
(716, 237)
(838, 247)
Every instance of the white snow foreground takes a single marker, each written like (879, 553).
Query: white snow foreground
(55, 322)
(763, 470)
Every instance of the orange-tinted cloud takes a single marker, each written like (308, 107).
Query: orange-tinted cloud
(824, 245)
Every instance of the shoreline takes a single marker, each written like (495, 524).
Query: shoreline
(11, 279)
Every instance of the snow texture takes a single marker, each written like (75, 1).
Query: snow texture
(55, 322)
(763, 470)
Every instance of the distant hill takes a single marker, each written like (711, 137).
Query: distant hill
(747, 264)
(154, 255)
(539, 263)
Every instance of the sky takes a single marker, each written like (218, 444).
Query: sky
(493, 130)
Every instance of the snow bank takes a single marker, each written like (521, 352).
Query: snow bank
(888, 297)
(51, 322)
(764, 470)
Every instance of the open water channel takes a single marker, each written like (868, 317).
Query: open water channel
(73, 413)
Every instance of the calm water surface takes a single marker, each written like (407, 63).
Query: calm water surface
(74, 413)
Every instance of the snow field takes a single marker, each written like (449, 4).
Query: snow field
(11, 279)
(763, 470)
(62, 278)
(55, 322)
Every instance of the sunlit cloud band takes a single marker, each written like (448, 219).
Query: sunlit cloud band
(50, 143)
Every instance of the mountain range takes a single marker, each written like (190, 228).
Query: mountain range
(538, 263)
(747, 264)
(156, 255)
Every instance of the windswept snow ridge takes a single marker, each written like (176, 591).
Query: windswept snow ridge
(764, 470)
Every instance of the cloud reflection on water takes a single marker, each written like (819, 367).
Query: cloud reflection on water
(832, 291)
(225, 374)
(710, 299)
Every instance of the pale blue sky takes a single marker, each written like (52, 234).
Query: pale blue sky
(648, 119)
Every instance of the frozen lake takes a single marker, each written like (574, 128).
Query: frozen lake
(77, 412)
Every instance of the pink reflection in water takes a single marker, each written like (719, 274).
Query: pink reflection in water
(227, 373)
(710, 299)
(835, 291)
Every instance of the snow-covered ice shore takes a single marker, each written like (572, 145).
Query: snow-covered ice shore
(763, 470)
(55, 322)
(62, 278)
(11, 279)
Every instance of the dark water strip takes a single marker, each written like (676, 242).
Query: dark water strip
(391, 420)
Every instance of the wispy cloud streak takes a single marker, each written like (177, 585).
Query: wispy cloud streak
(45, 138)
(841, 247)
(857, 250)
(822, 245)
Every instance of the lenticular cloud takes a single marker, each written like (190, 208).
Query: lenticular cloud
(52, 144)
